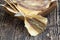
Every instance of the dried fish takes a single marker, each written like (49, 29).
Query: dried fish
(34, 22)
(35, 25)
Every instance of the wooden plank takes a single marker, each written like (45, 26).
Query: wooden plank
(58, 20)
(52, 27)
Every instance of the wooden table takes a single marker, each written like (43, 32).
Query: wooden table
(11, 29)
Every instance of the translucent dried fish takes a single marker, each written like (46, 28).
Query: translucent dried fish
(35, 25)
(34, 22)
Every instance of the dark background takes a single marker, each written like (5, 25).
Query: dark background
(12, 29)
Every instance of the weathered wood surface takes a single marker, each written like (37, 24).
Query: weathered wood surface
(11, 29)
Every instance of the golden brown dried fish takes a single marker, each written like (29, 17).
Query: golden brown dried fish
(34, 21)
(36, 24)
